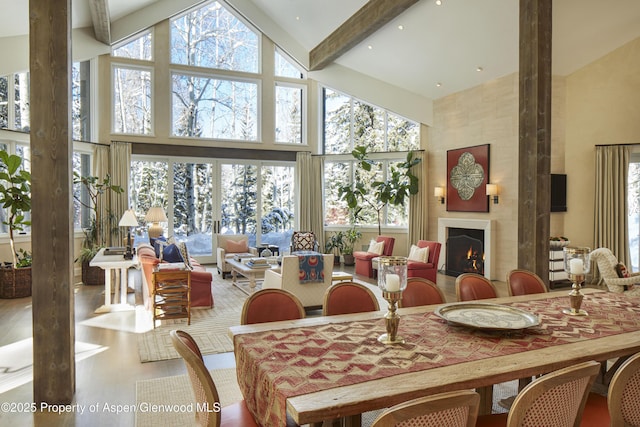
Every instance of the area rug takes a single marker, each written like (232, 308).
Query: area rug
(170, 397)
(209, 327)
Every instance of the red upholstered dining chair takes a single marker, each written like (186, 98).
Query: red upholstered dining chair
(428, 269)
(363, 258)
(271, 305)
(472, 286)
(421, 291)
(524, 282)
(622, 405)
(555, 399)
(452, 409)
(205, 390)
(349, 297)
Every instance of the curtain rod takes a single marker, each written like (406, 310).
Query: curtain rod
(615, 145)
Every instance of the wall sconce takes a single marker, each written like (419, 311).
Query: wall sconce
(438, 192)
(492, 191)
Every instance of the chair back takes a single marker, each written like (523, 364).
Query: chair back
(524, 282)
(472, 286)
(388, 245)
(452, 409)
(624, 394)
(434, 250)
(349, 297)
(555, 399)
(606, 262)
(304, 241)
(421, 291)
(202, 384)
(271, 305)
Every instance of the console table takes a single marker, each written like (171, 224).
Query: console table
(119, 266)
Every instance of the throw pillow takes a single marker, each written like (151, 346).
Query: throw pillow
(376, 247)
(622, 271)
(238, 247)
(158, 245)
(419, 254)
(184, 252)
(171, 253)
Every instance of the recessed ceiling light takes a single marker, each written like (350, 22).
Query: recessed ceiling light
(401, 27)
(479, 69)
(297, 18)
(438, 84)
(438, 2)
(370, 47)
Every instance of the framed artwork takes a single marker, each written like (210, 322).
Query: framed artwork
(467, 178)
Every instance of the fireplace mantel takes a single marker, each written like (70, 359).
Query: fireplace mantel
(475, 224)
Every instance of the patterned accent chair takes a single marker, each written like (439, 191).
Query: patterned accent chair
(363, 258)
(606, 262)
(429, 269)
(205, 390)
(304, 241)
(452, 409)
(271, 305)
(311, 294)
(555, 399)
(472, 286)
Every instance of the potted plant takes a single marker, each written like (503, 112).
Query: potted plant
(399, 185)
(351, 236)
(15, 197)
(335, 245)
(100, 227)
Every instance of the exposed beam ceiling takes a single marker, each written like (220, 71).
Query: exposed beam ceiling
(101, 20)
(366, 21)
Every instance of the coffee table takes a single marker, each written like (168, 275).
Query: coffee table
(252, 274)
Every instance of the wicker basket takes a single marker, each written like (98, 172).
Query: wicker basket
(92, 275)
(15, 282)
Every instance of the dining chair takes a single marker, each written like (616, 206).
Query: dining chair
(421, 291)
(348, 297)
(524, 282)
(555, 399)
(472, 286)
(452, 409)
(271, 305)
(622, 405)
(204, 388)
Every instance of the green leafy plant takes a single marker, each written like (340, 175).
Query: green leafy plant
(335, 243)
(15, 196)
(24, 258)
(395, 190)
(351, 236)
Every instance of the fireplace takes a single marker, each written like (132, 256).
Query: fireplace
(464, 251)
(479, 237)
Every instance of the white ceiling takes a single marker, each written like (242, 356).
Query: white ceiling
(439, 44)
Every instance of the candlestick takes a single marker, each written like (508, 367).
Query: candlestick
(576, 263)
(392, 279)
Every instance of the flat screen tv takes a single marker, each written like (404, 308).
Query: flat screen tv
(558, 192)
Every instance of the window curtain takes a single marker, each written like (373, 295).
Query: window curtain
(611, 220)
(309, 170)
(418, 212)
(120, 166)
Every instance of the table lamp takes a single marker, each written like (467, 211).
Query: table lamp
(155, 215)
(128, 220)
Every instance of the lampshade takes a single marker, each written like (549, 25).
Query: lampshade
(155, 214)
(128, 219)
(492, 190)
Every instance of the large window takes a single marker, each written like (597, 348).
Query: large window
(140, 47)
(289, 102)
(14, 102)
(132, 100)
(633, 207)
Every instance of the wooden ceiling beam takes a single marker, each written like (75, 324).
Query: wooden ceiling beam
(101, 20)
(366, 21)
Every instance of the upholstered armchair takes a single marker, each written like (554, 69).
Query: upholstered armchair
(311, 294)
(363, 258)
(418, 267)
(606, 262)
(230, 245)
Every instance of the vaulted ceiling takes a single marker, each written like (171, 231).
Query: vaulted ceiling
(438, 51)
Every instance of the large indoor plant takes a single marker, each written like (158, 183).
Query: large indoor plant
(100, 226)
(15, 199)
(351, 236)
(335, 245)
(399, 184)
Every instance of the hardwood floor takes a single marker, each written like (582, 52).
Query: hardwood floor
(108, 377)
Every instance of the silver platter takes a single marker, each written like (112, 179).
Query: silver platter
(487, 316)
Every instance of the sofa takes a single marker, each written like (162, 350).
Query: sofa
(201, 279)
(230, 245)
(310, 294)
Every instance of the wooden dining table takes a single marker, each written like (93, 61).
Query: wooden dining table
(323, 368)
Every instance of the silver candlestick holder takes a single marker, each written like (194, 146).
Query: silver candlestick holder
(577, 265)
(392, 280)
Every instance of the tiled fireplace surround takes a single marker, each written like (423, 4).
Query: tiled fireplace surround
(477, 224)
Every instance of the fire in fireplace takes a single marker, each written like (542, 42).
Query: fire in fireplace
(465, 251)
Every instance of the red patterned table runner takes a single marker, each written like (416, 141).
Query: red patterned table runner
(275, 365)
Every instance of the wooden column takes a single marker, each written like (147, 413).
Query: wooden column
(51, 228)
(535, 136)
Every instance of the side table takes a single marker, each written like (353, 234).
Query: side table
(171, 295)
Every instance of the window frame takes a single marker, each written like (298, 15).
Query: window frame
(132, 66)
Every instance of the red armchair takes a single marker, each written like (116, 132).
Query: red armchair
(201, 295)
(363, 258)
(429, 269)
